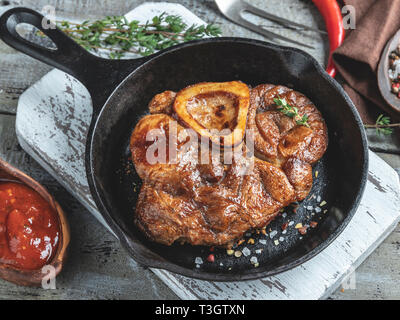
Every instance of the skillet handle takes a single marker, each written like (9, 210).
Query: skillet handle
(100, 76)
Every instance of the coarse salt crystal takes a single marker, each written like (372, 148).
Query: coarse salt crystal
(284, 214)
(273, 234)
(262, 241)
(281, 239)
(198, 260)
(318, 198)
(284, 231)
(318, 209)
(310, 208)
(258, 251)
(291, 223)
(246, 252)
(253, 260)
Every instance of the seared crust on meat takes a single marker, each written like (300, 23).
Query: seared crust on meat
(214, 203)
(278, 137)
(162, 102)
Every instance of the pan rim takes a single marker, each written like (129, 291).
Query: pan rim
(220, 277)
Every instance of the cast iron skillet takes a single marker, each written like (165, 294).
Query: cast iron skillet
(121, 91)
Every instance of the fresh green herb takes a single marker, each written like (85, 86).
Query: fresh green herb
(119, 36)
(291, 112)
(383, 125)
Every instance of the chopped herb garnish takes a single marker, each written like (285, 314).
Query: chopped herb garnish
(291, 112)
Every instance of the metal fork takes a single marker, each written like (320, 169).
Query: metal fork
(233, 10)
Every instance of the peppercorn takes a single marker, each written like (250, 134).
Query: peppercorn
(395, 87)
(394, 56)
(302, 230)
(313, 224)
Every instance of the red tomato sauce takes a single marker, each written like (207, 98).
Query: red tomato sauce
(29, 227)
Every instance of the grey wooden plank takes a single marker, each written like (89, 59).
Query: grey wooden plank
(378, 276)
(17, 73)
(392, 159)
(97, 266)
(381, 143)
(383, 264)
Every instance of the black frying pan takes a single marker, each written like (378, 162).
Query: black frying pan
(121, 91)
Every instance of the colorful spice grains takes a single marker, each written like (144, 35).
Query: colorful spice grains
(394, 71)
(313, 224)
(302, 230)
(211, 258)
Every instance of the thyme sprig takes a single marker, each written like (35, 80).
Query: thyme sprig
(119, 36)
(291, 111)
(383, 125)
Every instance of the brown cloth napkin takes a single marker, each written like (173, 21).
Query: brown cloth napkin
(358, 57)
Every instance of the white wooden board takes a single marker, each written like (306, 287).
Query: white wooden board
(52, 120)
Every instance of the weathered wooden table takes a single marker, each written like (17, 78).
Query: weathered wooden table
(98, 267)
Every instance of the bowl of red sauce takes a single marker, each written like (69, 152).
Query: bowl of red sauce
(34, 232)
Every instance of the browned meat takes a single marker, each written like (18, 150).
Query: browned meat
(299, 174)
(279, 140)
(215, 203)
(162, 102)
(278, 137)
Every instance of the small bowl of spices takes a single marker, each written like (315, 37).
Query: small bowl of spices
(34, 231)
(394, 71)
(388, 73)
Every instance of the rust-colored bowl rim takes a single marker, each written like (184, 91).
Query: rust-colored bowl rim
(35, 277)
